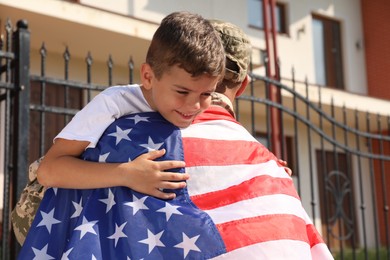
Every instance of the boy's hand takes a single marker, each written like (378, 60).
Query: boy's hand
(150, 177)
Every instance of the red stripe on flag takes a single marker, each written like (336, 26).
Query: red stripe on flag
(246, 190)
(249, 231)
(205, 152)
(314, 237)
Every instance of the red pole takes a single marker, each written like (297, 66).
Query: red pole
(266, 36)
(274, 95)
(274, 48)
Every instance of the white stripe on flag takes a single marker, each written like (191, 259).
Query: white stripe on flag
(212, 130)
(213, 178)
(275, 250)
(321, 252)
(260, 206)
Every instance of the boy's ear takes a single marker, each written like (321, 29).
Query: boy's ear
(146, 75)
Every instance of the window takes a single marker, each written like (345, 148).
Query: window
(327, 52)
(255, 15)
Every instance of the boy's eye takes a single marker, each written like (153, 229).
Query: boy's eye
(182, 92)
(207, 94)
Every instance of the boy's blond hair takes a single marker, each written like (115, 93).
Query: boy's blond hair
(189, 41)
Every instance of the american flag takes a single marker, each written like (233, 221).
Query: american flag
(238, 202)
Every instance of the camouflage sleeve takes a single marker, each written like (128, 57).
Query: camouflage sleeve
(25, 209)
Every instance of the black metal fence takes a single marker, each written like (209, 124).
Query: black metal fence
(341, 161)
(14, 111)
(340, 157)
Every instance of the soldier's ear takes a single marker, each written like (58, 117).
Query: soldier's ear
(242, 88)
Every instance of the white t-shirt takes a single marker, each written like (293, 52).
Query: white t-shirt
(112, 103)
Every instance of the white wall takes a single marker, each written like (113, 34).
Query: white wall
(294, 50)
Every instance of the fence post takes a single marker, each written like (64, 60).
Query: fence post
(22, 104)
(21, 117)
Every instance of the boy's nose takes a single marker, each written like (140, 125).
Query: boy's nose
(194, 104)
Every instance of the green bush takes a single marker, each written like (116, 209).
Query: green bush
(360, 254)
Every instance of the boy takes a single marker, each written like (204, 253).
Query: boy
(184, 62)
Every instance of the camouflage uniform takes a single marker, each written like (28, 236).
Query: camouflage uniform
(222, 101)
(24, 212)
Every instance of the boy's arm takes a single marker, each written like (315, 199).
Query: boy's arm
(62, 168)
